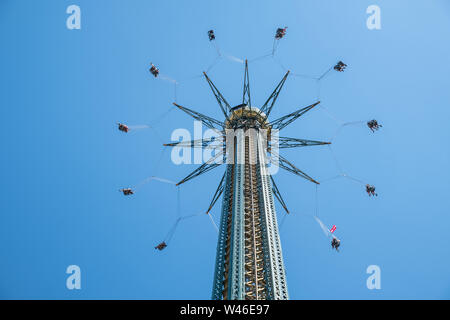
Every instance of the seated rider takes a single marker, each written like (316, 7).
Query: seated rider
(370, 190)
(340, 66)
(123, 127)
(127, 191)
(281, 32)
(161, 246)
(211, 35)
(335, 243)
(154, 70)
(373, 125)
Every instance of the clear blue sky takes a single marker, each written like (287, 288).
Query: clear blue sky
(63, 160)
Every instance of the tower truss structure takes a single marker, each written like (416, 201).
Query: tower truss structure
(249, 260)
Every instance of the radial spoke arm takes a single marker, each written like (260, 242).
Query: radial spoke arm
(207, 166)
(268, 105)
(286, 165)
(277, 194)
(217, 193)
(223, 104)
(285, 142)
(289, 118)
(246, 93)
(207, 121)
(199, 143)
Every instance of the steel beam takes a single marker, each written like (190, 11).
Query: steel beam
(223, 104)
(207, 121)
(268, 105)
(289, 118)
(286, 165)
(217, 194)
(207, 166)
(199, 143)
(246, 92)
(285, 142)
(277, 195)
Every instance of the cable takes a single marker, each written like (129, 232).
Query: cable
(317, 200)
(155, 123)
(303, 76)
(216, 60)
(216, 46)
(354, 179)
(166, 78)
(335, 160)
(340, 122)
(233, 58)
(147, 180)
(319, 86)
(344, 125)
(174, 227)
(212, 220)
(178, 201)
(332, 178)
(259, 58)
(138, 127)
(324, 74)
(175, 92)
(282, 220)
(274, 46)
(279, 63)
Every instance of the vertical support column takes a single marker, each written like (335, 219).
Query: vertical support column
(223, 248)
(275, 271)
(249, 262)
(237, 288)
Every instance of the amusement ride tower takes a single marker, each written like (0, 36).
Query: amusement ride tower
(249, 261)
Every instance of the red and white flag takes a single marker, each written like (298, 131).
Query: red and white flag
(333, 228)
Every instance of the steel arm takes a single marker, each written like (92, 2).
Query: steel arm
(277, 194)
(268, 105)
(199, 143)
(285, 142)
(223, 104)
(207, 121)
(246, 93)
(288, 119)
(217, 194)
(286, 165)
(207, 166)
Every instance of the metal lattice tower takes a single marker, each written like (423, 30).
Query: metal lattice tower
(249, 260)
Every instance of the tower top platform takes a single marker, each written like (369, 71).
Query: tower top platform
(244, 116)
